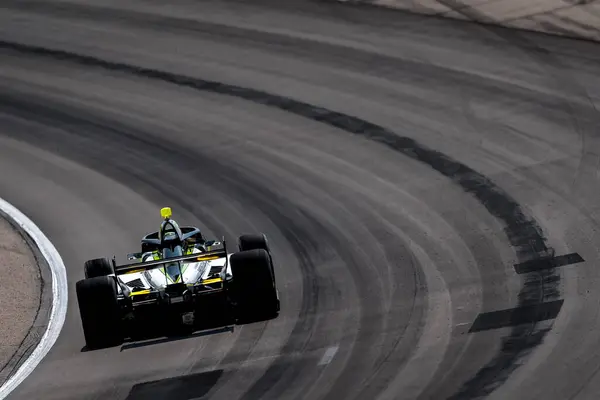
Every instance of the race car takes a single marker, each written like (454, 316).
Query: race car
(179, 279)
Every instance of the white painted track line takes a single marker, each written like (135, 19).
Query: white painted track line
(328, 356)
(59, 296)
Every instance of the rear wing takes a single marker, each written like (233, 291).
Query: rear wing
(145, 266)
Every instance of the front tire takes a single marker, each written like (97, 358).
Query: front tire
(253, 242)
(98, 267)
(100, 312)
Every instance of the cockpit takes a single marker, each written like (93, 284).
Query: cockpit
(171, 240)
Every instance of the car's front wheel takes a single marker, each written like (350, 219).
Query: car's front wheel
(98, 267)
(253, 242)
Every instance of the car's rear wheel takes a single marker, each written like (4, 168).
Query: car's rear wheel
(253, 284)
(100, 312)
(98, 267)
(253, 242)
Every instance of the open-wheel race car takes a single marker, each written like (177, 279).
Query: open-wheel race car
(178, 280)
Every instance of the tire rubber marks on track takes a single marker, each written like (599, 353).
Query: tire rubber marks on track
(516, 316)
(548, 263)
(523, 232)
(527, 314)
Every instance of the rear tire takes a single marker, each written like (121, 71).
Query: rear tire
(98, 267)
(253, 284)
(100, 312)
(253, 242)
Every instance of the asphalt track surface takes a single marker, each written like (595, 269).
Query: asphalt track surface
(400, 165)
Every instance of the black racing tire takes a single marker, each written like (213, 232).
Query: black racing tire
(98, 267)
(100, 312)
(253, 284)
(253, 242)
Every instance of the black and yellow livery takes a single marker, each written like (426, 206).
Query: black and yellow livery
(179, 279)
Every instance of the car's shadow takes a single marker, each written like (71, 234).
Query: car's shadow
(156, 334)
(256, 318)
(143, 342)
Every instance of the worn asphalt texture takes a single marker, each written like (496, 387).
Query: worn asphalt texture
(428, 186)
